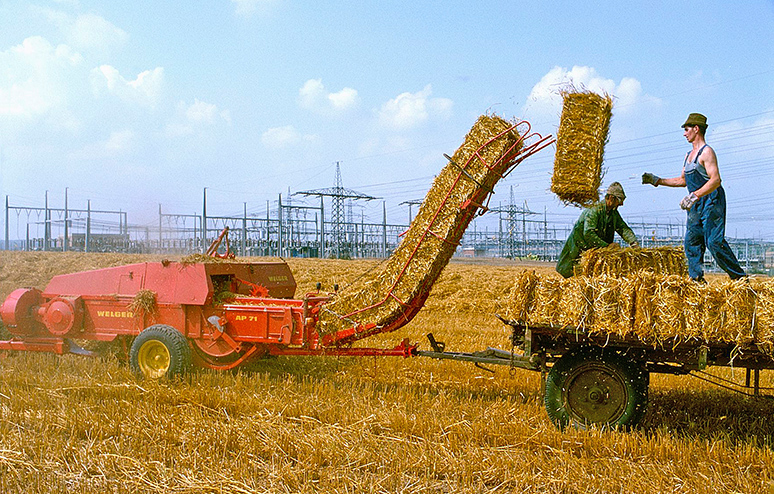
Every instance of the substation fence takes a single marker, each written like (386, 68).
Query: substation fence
(297, 231)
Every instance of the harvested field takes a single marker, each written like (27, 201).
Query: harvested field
(73, 424)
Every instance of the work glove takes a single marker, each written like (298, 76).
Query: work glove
(649, 178)
(688, 201)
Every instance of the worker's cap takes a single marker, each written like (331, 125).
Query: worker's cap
(696, 119)
(616, 190)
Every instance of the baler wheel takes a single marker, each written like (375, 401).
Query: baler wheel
(160, 351)
(595, 387)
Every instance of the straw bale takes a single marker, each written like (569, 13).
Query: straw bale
(713, 315)
(627, 297)
(580, 145)
(694, 299)
(606, 302)
(576, 308)
(738, 306)
(764, 327)
(615, 261)
(523, 295)
(654, 307)
(381, 296)
(547, 296)
(669, 307)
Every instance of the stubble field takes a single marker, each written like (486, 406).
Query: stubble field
(75, 424)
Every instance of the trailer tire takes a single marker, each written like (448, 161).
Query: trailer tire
(596, 387)
(160, 351)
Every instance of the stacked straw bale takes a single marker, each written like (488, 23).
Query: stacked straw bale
(652, 307)
(615, 261)
(580, 146)
(763, 333)
(381, 296)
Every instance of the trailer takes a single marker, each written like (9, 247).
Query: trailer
(602, 380)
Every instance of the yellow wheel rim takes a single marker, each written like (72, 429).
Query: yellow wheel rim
(153, 359)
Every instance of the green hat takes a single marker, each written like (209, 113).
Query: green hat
(616, 190)
(696, 119)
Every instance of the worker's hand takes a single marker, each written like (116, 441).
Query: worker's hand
(649, 178)
(688, 201)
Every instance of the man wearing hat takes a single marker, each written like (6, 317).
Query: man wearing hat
(596, 227)
(705, 203)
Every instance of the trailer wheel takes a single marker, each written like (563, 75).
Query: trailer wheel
(160, 351)
(597, 387)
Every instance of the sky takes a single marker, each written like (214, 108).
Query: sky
(139, 105)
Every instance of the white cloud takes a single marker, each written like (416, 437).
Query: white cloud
(313, 96)
(545, 95)
(193, 118)
(34, 77)
(145, 90)
(90, 31)
(282, 137)
(87, 32)
(408, 110)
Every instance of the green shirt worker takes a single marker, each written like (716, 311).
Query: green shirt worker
(596, 227)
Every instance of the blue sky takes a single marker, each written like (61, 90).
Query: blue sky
(136, 104)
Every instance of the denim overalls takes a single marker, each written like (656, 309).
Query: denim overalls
(706, 226)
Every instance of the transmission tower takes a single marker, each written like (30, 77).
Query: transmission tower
(512, 212)
(337, 194)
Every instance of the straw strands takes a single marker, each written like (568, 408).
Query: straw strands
(392, 293)
(615, 261)
(653, 307)
(580, 146)
(144, 303)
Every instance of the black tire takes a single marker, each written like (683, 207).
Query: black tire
(596, 387)
(160, 351)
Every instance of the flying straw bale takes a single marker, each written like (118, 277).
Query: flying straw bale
(395, 290)
(580, 146)
(615, 261)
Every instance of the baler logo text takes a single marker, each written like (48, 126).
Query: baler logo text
(110, 313)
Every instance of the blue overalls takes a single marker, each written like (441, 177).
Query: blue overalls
(706, 226)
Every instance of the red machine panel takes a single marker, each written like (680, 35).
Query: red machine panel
(175, 283)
